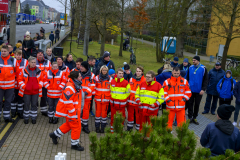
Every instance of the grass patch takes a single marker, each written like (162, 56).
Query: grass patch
(145, 54)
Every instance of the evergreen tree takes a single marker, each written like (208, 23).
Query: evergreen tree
(27, 9)
(154, 142)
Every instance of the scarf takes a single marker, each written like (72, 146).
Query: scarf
(103, 77)
(54, 71)
(49, 57)
(78, 84)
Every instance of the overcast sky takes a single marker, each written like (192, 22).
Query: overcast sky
(54, 4)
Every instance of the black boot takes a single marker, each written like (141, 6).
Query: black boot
(129, 129)
(98, 130)
(77, 147)
(20, 115)
(45, 114)
(85, 129)
(9, 120)
(25, 121)
(34, 121)
(54, 138)
(13, 115)
(102, 130)
(55, 120)
(50, 120)
(103, 125)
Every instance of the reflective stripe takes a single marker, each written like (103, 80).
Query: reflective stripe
(46, 85)
(175, 95)
(99, 89)
(70, 88)
(133, 102)
(65, 102)
(166, 98)
(148, 96)
(165, 93)
(185, 81)
(186, 97)
(166, 82)
(62, 114)
(117, 92)
(12, 85)
(54, 91)
(121, 103)
(133, 91)
(173, 107)
(149, 108)
(158, 103)
(84, 87)
(188, 92)
(71, 111)
(54, 94)
(20, 92)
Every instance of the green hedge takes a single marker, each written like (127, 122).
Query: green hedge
(145, 37)
(192, 49)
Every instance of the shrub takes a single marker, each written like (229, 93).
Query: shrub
(154, 142)
(192, 49)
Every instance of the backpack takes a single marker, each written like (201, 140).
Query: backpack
(223, 82)
(98, 60)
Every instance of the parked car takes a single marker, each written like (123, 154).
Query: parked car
(47, 22)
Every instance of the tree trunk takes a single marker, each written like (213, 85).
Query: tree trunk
(103, 35)
(179, 45)
(121, 45)
(13, 23)
(224, 57)
(122, 25)
(87, 28)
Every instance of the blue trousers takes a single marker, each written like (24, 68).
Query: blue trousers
(209, 101)
(237, 108)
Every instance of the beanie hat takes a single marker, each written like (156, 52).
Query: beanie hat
(185, 60)
(106, 54)
(27, 33)
(124, 63)
(225, 111)
(197, 58)
(126, 67)
(175, 59)
(38, 51)
(18, 45)
(111, 71)
(85, 65)
(51, 31)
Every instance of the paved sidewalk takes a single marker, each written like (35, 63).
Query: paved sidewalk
(31, 142)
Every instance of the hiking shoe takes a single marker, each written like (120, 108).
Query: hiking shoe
(77, 147)
(204, 112)
(195, 121)
(92, 114)
(54, 138)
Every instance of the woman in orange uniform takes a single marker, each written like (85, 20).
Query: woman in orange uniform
(102, 98)
(69, 106)
(132, 106)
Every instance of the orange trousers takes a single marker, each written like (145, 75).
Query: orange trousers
(85, 115)
(114, 111)
(101, 113)
(144, 119)
(180, 116)
(131, 109)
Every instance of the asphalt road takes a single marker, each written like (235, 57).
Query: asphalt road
(33, 29)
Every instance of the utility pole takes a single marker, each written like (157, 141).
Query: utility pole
(13, 23)
(87, 28)
(65, 15)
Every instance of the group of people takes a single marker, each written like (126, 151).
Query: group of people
(68, 88)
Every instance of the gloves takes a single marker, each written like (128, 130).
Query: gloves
(184, 99)
(169, 101)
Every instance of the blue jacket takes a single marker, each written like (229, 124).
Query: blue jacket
(51, 36)
(174, 64)
(225, 92)
(214, 77)
(163, 76)
(236, 92)
(218, 140)
(127, 76)
(199, 80)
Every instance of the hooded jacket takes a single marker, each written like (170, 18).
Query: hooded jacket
(127, 76)
(70, 65)
(236, 92)
(214, 77)
(181, 67)
(53, 58)
(109, 64)
(220, 136)
(51, 36)
(224, 90)
(163, 76)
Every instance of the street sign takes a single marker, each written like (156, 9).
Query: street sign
(61, 15)
(3, 6)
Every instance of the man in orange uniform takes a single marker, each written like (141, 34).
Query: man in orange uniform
(69, 106)
(7, 82)
(44, 65)
(78, 65)
(63, 67)
(120, 91)
(149, 96)
(88, 85)
(17, 103)
(54, 82)
(176, 93)
(102, 98)
(132, 106)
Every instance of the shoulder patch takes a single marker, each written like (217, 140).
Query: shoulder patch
(67, 95)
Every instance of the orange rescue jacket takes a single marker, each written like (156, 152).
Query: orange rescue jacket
(103, 93)
(7, 72)
(21, 64)
(71, 101)
(88, 84)
(54, 83)
(176, 92)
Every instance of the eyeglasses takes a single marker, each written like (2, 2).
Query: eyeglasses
(148, 77)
